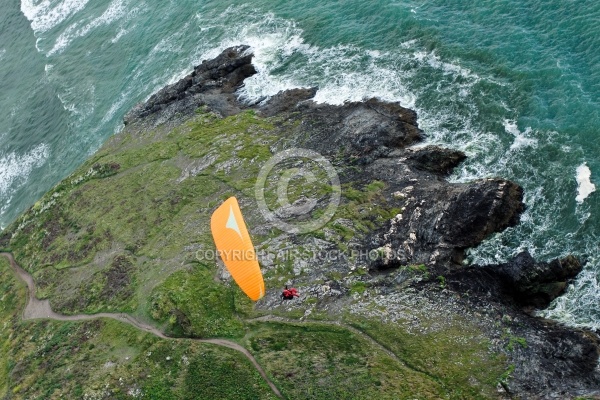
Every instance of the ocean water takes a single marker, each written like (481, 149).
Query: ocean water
(516, 85)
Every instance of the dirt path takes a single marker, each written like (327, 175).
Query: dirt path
(41, 309)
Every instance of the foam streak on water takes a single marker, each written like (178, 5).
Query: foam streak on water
(16, 168)
(116, 10)
(45, 15)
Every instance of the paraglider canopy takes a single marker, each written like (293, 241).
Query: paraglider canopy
(235, 248)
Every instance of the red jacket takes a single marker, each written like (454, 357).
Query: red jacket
(290, 293)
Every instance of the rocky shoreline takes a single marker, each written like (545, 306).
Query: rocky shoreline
(124, 232)
(438, 222)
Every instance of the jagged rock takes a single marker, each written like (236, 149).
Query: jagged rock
(522, 281)
(553, 361)
(364, 131)
(212, 83)
(286, 100)
(435, 159)
(533, 283)
(488, 206)
(440, 220)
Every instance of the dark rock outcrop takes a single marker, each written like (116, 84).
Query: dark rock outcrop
(361, 131)
(479, 210)
(522, 282)
(212, 83)
(533, 283)
(286, 101)
(436, 160)
(440, 220)
(553, 361)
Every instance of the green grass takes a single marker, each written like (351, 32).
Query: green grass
(138, 197)
(316, 361)
(108, 359)
(121, 235)
(12, 300)
(133, 199)
(193, 304)
(358, 287)
(456, 356)
(365, 206)
(514, 341)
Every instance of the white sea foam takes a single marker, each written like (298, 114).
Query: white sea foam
(341, 73)
(117, 105)
(450, 68)
(122, 32)
(579, 306)
(115, 11)
(15, 167)
(15, 170)
(45, 15)
(584, 186)
(273, 40)
(344, 73)
(349, 73)
(2, 53)
(522, 139)
(79, 101)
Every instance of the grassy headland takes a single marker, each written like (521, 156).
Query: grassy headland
(122, 234)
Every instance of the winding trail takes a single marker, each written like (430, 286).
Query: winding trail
(41, 309)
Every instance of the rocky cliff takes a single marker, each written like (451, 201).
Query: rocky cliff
(438, 222)
(388, 264)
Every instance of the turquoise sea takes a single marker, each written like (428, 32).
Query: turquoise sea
(514, 84)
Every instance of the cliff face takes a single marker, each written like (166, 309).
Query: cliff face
(439, 220)
(132, 225)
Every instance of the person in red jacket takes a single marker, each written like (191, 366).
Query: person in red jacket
(289, 294)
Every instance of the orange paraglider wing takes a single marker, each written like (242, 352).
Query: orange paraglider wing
(235, 248)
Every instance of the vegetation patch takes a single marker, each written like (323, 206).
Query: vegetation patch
(320, 361)
(193, 304)
(150, 197)
(457, 357)
(366, 207)
(104, 359)
(118, 279)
